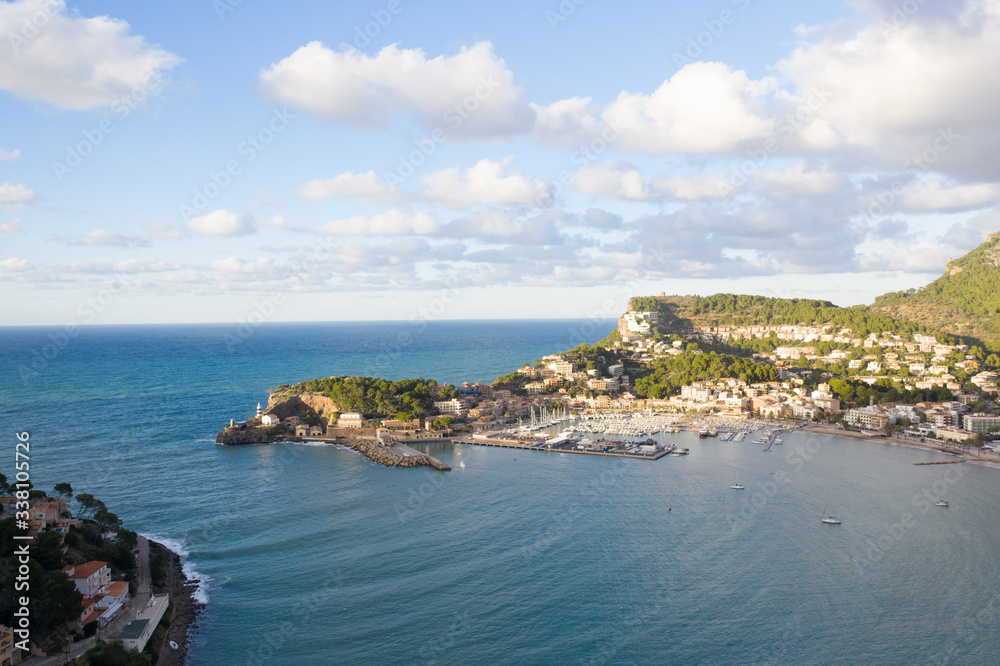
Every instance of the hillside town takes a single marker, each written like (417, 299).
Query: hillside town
(879, 383)
(98, 599)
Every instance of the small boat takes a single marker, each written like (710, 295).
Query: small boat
(829, 520)
(941, 503)
(737, 486)
(174, 645)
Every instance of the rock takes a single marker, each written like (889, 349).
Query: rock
(246, 434)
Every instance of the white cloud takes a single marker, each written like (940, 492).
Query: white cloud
(611, 179)
(597, 218)
(222, 223)
(12, 227)
(482, 183)
(797, 181)
(623, 181)
(14, 265)
(235, 265)
(504, 225)
(9, 155)
(691, 188)
(366, 187)
(11, 194)
(567, 121)
(72, 62)
(395, 222)
(136, 266)
(922, 257)
(964, 236)
(933, 195)
(893, 84)
(469, 94)
(102, 237)
(704, 107)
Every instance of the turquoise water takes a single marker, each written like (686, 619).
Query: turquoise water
(314, 555)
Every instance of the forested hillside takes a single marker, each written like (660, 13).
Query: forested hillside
(965, 300)
(683, 312)
(375, 397)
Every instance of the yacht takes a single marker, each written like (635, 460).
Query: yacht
(830, 520)
(941, 503)
(737, 486)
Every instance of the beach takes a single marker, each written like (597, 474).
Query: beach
(971, 455)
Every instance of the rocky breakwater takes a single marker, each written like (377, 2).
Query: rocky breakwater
(391, 456)
(252, 432)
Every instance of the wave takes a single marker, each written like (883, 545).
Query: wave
(194, 576)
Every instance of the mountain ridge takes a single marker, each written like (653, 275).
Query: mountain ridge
(962, 304)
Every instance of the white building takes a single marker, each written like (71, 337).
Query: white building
(562, 368)
(270, 419)
(695, 393)
(351, 420)
(869, 418)
(137, 633)
(453, 406)
(90, 577)
(641, 323)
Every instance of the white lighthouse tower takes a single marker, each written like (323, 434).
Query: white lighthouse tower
(258, 409)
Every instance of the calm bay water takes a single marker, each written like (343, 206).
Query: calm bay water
(313, 555)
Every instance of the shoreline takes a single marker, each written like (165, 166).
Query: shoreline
(962, 454)
(185, 609)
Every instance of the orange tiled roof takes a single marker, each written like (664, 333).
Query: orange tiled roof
(117, 587)
(88, 569)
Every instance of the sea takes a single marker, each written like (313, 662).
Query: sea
(314, 555)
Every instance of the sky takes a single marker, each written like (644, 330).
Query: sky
(240, 161)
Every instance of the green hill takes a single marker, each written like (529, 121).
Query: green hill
(964, 301)
(962, 304)
(679, 314)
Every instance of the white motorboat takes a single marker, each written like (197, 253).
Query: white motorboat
(941, 503)
(737, 486)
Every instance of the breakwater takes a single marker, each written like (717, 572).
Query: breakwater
(389, 455)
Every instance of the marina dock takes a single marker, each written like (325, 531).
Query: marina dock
(540, 446)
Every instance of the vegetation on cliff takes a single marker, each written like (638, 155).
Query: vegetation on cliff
(685, 312)
(965, 300)
(665, 376)
(372, 396)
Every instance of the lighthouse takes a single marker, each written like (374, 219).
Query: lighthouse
(258, 409)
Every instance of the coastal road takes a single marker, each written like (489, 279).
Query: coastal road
(138, 602)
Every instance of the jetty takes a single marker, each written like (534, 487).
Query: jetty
(772, 436)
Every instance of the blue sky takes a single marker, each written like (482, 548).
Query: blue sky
(200, 161)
